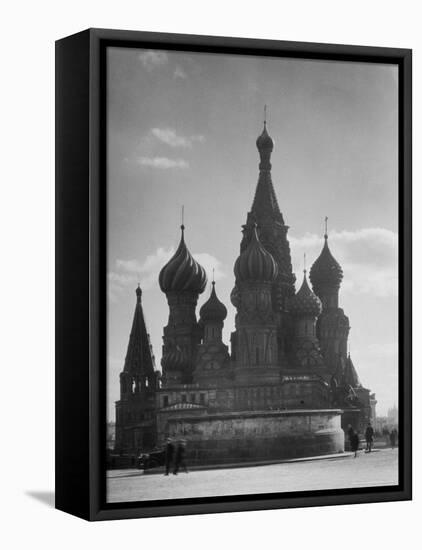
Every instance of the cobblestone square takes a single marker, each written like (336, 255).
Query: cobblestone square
(367, 470)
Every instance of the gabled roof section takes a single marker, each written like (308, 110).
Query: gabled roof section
(350, 374)
(139, 356)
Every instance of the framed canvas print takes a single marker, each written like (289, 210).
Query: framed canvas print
(233, 274)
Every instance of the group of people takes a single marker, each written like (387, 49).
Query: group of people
(175, 456)
(354, 440)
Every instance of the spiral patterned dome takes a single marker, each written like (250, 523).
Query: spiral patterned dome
(235, 297)
(326, 272)
(305, 303)
(182, 272)
(175, 359)
(213, 309)
(255, 263)
(265, 142)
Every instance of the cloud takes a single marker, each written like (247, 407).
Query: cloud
(163, 163)
(128, 273)
(209, 263)
(179, 72)
(369, 258)
(151, 59)
(170, 137)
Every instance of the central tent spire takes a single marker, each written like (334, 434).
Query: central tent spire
(265, 203)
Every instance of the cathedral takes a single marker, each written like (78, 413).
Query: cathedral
(286, 385)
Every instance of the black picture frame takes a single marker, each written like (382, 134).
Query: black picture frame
(81, 272)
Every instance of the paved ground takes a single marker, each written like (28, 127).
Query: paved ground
(368, 470)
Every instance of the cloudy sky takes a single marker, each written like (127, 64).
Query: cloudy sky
(182, 130)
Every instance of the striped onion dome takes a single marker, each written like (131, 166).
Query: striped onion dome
(255, 263)
(175, 359)
(235, 296)
(326, 273)
(182, 272)
(213, 309)
(305, 303)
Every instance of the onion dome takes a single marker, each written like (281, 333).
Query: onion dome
(326, 272)
(235, 297)
(175, 359)
(213, 309)
(265, 142)
(265, 146)
(255, 263)
(182, 272)
(305, 303)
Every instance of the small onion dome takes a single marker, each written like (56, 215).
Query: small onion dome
(304, 303)
(213, 309)
(174, 359)
(182, 272)
(326, 272)
(255, 263)
(235, 297)
(265, 142)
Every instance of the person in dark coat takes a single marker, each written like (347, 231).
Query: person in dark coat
(169, 455)
(393, 437)
(180, 461)
(354, 442)
(369, 436)
(350, 432)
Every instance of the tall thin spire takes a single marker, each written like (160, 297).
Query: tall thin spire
(139, 358)
(326, 228)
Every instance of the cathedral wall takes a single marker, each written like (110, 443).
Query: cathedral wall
(234, 437)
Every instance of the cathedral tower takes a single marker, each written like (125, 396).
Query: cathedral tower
(333, 326)
(213, 355)
(305, 307)
(272, 233)
(182, 279)
(256, 323)
(135, 425)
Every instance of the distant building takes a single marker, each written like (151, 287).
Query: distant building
(286, 386)
(111, 435)
(393, 416)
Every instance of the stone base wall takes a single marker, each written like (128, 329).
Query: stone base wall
(249, 436)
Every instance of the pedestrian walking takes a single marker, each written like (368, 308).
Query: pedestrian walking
(386, 434)
(354, 442)
(369, 437)
(180, 461)
(169, 455)
(350, 432)
(393, 437)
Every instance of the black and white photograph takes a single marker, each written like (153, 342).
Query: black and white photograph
(252, 275)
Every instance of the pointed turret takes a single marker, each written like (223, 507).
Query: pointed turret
(326, 275)
(139, 358)
(265, 204)
(138, 383)
(351, 377)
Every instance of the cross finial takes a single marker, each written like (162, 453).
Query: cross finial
(326, 227)
(213, 276)
(265, 115)
(182, 227)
